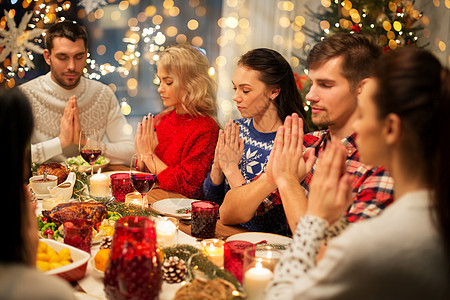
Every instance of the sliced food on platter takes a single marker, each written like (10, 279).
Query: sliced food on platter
(261, 238)
(174, 207)
(83, 166)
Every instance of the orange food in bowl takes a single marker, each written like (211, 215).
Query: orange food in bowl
(101, 259)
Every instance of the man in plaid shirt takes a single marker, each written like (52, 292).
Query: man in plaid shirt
(337, 68)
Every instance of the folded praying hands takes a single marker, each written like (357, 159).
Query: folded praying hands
(227, 155)
(70, 126)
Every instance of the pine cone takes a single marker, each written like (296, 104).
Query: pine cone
(174, 269)
(106, 242)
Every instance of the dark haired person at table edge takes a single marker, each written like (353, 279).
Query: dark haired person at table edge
(19, 278)
(265, 93)
(64, 102)
(404, 253)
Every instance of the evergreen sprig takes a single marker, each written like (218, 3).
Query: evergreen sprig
(197, 261)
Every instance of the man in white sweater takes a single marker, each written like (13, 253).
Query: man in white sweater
(64, 102)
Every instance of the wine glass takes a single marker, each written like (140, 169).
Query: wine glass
(142, 182)
(90, 146)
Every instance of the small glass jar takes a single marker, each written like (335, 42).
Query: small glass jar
(204, 217)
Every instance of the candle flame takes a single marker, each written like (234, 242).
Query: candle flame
(258, 265)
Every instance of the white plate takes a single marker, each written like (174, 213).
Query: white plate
(84, 296)
(170, 206)
(256, 237)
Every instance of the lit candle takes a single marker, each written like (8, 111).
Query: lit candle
(135, 198)
(166, 231)
(256, 280)
(99, 185)
(213, 248)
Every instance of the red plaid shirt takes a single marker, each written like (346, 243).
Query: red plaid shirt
(373, 187)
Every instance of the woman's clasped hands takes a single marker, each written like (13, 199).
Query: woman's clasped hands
(227, 155)
(146, 141)
(330, 190)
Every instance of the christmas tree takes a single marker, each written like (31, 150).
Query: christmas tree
(393, 23)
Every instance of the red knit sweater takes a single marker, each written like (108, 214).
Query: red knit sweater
(186, 145)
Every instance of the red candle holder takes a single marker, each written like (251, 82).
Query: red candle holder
(204, 217)
(234, 257)
(78, 233)
(121, 185)
(134, 271)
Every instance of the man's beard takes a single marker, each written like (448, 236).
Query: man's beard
(62, 83)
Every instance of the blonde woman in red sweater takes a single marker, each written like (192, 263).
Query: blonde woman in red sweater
(178, 144)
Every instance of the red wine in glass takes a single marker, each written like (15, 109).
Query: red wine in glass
(143, 182)
(90, 155)
(90, 146)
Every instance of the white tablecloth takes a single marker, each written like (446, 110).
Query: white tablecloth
(92, 283)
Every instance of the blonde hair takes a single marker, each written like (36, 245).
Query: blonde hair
(189, 67)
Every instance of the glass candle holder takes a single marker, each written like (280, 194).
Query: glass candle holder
(259, 265)
(166, 231)
(234, 257)
(213, 249)
(136, 198)
(121, 185)
(134, 271)
(204, 217)
(78, 233)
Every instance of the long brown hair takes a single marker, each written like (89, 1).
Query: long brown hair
(16, 123)
(275, 72)
(416, 87)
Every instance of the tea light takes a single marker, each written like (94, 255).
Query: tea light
(256, 280)
(166, 231)
(136, 198)
(213, 248)
(99, 185)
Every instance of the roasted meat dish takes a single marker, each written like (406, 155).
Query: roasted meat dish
(78, 210)
(54, 169)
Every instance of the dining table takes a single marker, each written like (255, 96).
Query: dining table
(91, 286)
(156, 194)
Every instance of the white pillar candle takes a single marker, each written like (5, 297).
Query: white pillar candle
(166, 232)
(256, 280)
(213, 248)
(99, 185)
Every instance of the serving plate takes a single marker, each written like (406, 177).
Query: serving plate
(73, 271)
(170, 206)
(257, 237)
(85, 168)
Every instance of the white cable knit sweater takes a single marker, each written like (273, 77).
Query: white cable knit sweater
(98, 109)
